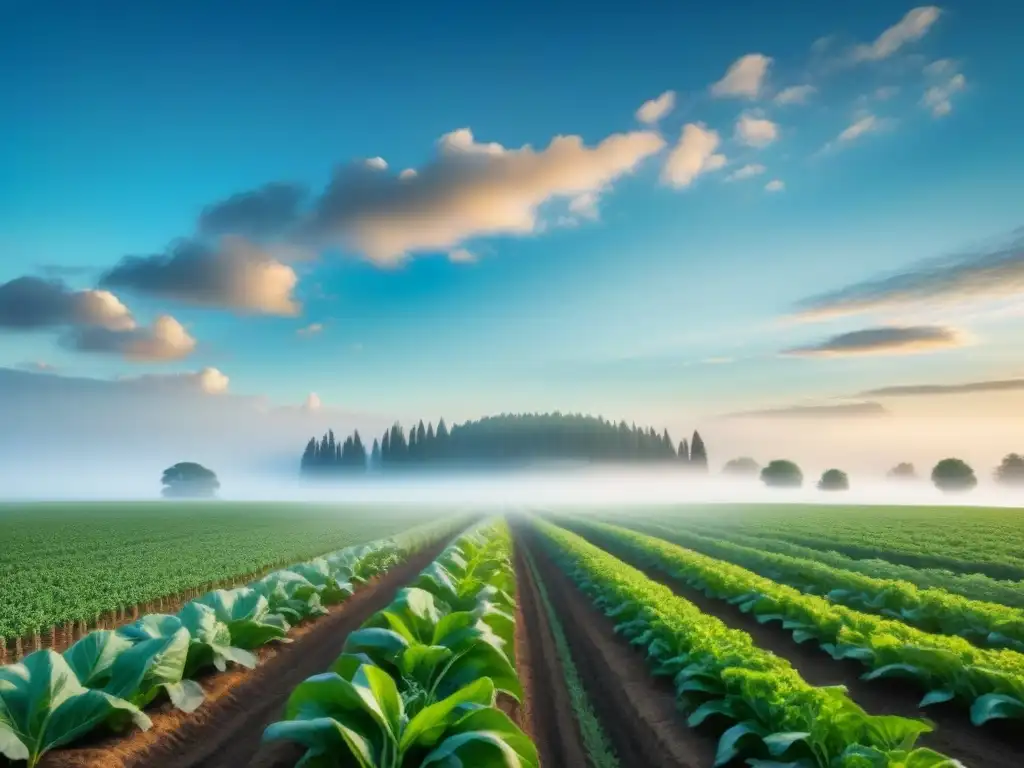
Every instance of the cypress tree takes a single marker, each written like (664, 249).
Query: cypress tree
(684, 452)
(309, 455)
(414, 448)
(385, 447)
(375, 454)
(698, 453)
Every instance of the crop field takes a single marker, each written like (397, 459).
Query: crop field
(797, 637)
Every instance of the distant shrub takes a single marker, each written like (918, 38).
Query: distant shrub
(782, 473)
(903, 471)
(1011, 470)
(741, 467)
(188, 480)
(952, 475)
(834, 480)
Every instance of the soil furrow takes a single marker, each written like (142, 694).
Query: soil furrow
(547, 713)
(997, 745)
(226, 731)
(637, 710)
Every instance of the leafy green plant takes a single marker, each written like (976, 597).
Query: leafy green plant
(356, 711)
(770, 714)
(43, 705)
(417, 684)
(946, 667)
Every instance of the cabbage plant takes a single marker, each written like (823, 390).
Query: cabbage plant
(248, 616)
(43, 705)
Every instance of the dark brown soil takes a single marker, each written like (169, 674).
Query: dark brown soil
(637, 710)
(546, 713)
(997, 745)
(226, 731)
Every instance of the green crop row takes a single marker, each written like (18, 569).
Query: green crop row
(775, 717)
(50, 700)
(991, 681)
(417, 685)
(963, 540)
(63, 563)
(931, 610)
(974, 586)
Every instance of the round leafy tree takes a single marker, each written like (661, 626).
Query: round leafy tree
(903, 471)
(1011, 470)
(782, 473)
(188, 480)
(741, 467)
(953, 475)
(834, 480)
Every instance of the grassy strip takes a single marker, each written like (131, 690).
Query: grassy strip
(595, 740)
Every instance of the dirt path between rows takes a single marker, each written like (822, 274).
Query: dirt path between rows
(997, 745)
(226, 731)
(637, 710)
(546, 714)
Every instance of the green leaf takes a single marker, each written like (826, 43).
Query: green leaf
(726, 707)
(733, 742)
(92, 656)
(898, 670)
(383, 646)
(323, 736)
(43, 705)
(895, 732)
(139, 672)
(484, 737)
(994, 706)
(939, 696)
(427, 727)
(778, 743)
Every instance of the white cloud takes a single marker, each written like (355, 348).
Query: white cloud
(312, 402)
(461, 256)
(886, 92)
(165, 340)
(237, 274)
(795, 94)
(408, 173)
(866, 124)
(911, 27)
(756, 131)
(940, 67)
(208, 381)
(692, 156)
(746, 172)
(938, 97)
(775, 185)
(653, 110)
(469, 190)
(744, 77)
(378, 163)
(311, 329)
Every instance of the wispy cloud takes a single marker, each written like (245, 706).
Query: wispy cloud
(986, 274)
(842, 410)
(310, 330)
(922, 390)
(866, 124)
(938, 98)
(775, 185)
(744, 78)
(653, 110)
(913, 26)
(886, 340)
(747, 171)
(795, 94)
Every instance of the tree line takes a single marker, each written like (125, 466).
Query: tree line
(948, 475)
(508, 438)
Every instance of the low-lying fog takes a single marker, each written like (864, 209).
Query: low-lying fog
(596, 485)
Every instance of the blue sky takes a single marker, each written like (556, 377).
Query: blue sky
(653, 298)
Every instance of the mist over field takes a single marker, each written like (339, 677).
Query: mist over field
(598, 486)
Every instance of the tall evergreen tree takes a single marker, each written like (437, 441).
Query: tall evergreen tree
(309, 455)
(698, 453)
(684, 452)
(385, 447)
(375, 455)
(413, 451)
